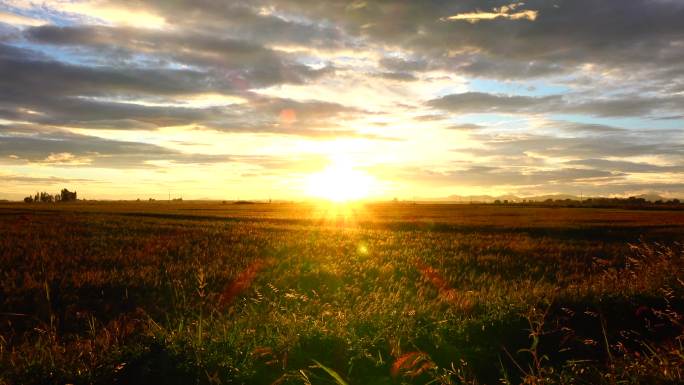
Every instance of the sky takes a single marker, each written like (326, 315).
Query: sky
(283, 99)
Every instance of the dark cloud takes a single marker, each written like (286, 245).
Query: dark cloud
(399, 76)
(564, 35)
(247, 20)
(303, 110)
(526, 181)
(577, 147)
(22, 77)
(466, 127)
(430, 117)
(404, 65)
(226, 63)
(476, 102)
(631, 105)
(52, 92)
(29, 180)
(498, 67)
(486, 176)
(65, 148)
(625, 166)
(585, 128)
(626, 105)
(56, 93)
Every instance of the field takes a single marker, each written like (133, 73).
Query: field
(283, 293)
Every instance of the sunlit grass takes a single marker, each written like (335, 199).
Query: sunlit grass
(257, 299)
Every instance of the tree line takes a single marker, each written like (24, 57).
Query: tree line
(44, 197)
(630, 202)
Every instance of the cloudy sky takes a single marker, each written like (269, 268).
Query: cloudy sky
(231, 99)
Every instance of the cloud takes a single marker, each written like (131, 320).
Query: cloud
(530, 181)
(485, 65)
(486, 176)
(466, 127)
(66, 158)
(626, 105)
(584, 128)
(582, 147)
(108, 97)
(398, 76)
(631, 105)
(27, 76)
(503, 12)
(115, 14)
(62, 148)
(396, 64)
(32, 180)
(565, 35)
(262, 22)
(479, 102)
(225, 62)
(624, 166)
(15, 19)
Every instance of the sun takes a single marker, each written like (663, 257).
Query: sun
(340, 182)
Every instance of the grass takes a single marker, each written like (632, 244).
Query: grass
(301, 294)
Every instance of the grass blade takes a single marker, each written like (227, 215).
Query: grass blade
(332, 373)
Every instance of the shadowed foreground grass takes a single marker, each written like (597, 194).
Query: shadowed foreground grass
(384, 294)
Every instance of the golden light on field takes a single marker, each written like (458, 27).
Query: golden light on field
(340, 182)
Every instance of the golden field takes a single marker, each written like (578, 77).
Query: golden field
(295, 293)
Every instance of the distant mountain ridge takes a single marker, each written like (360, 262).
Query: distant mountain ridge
(651, 197)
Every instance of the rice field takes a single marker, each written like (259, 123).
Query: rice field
(285, 293)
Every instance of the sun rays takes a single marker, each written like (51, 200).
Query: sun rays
(341, 182)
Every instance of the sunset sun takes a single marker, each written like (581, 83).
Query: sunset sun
(340, 182)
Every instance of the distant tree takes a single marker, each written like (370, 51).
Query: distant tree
(28, 199)
(68, 196)
(46, 198)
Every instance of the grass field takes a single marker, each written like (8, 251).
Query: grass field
(211, 293)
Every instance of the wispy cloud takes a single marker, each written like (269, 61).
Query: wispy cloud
(503, 12)
(20, 20)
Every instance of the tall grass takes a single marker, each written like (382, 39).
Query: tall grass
(276, 299)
